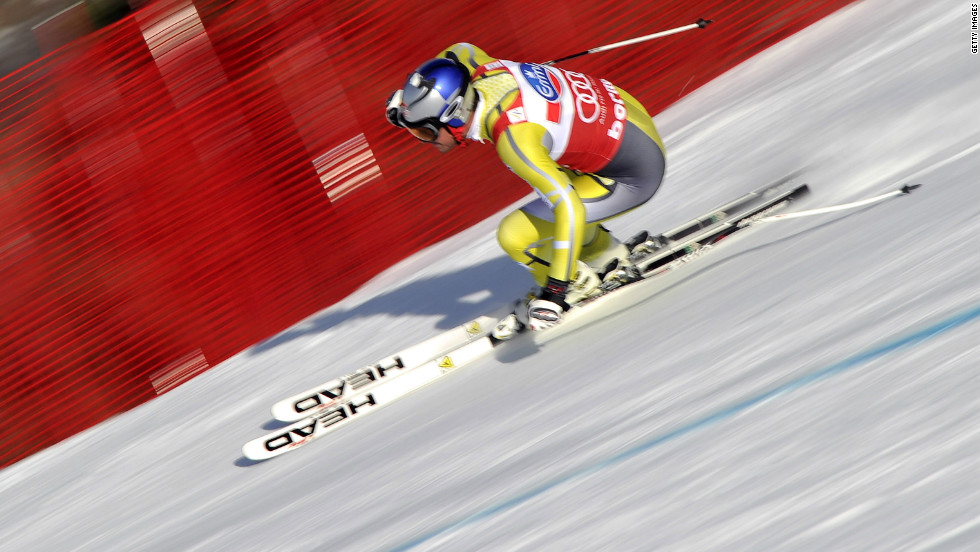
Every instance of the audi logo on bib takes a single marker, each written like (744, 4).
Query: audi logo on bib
(586, 100)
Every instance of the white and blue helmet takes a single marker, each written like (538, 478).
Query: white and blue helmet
(436, 95)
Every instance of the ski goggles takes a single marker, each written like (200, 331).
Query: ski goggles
(424, 131)
(427, 130)
(428, 133)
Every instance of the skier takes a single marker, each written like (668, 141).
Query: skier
(588, 148)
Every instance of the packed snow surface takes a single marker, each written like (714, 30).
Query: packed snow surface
(810, 385)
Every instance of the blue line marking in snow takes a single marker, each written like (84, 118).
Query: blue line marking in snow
(920, 336)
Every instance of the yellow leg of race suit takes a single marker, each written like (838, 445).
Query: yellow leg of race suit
(629, 180)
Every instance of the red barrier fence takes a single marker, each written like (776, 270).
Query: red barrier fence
(202, 175)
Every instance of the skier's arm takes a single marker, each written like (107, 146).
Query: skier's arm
(521, 147)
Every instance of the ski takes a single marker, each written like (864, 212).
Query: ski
(719, 224)
(341, 401)
(327, 395)
(356, 405)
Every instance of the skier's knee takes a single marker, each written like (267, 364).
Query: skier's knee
(516, 233)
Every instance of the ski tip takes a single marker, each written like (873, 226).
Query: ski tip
(907, 189)
(704, 22)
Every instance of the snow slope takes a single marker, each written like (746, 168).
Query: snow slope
(812, 385)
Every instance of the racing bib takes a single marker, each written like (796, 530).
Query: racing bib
(584, 116)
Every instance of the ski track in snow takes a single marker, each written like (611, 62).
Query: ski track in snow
(810, 385)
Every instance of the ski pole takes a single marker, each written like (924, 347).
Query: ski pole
(702, 23)
(853, 205)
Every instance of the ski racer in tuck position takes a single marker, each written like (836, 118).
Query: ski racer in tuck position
(588, 148)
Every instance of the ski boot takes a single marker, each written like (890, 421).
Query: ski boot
(643, 245)
(586, 284)
(516, 321)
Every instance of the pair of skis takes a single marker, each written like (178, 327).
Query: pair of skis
(338, 402)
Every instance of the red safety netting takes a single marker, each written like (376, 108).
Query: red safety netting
(202, 175)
